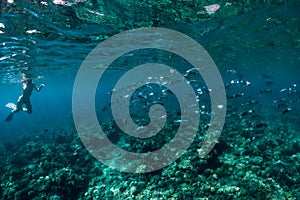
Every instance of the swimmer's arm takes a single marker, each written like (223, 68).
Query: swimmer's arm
(38, 88)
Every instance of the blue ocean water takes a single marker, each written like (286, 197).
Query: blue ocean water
(257, 54)
(55, 63)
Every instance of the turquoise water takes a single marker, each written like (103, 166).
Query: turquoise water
(258, 154)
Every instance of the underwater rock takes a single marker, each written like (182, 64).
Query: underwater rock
(256, 160)
(211, 9)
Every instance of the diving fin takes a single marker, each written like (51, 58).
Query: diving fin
(9, 117)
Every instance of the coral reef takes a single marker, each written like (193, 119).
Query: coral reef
(246, 164)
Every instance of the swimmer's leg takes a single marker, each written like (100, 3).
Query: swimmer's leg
(28, 108)
(19, 105)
